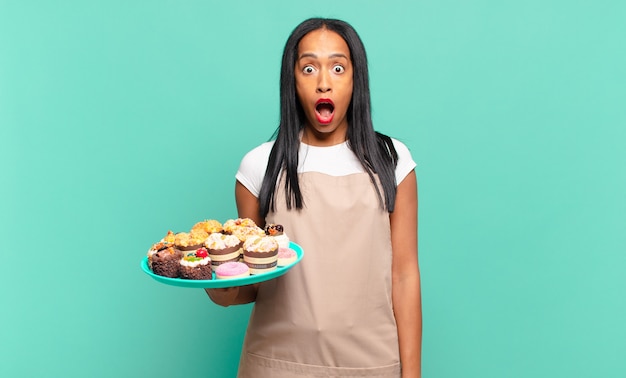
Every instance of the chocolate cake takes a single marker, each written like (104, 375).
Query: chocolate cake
(196, 266)
(166, 262)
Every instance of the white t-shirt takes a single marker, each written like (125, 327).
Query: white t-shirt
(337, 160)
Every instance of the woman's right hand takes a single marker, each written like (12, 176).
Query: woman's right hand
(247, 207)
(233, 295)
(224, 296)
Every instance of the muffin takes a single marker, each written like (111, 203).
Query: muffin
(260, 254)
(209, 226)
(233, 224)
(188, 243)
(223, 248)
(169, 237)
(244, 233)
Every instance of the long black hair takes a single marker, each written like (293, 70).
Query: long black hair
(375, 151)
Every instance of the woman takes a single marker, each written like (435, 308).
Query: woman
(348, 196)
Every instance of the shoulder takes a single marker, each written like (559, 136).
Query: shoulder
(252, 168)
(259, 152)
(401, 148)
(405, 160)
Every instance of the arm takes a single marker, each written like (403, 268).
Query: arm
(406, 294)
(247, 207)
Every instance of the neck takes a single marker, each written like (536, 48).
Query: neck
(315, 138)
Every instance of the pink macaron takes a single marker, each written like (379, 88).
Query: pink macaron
(286, 256)
(232, 270)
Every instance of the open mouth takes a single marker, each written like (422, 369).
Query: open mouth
(324, 110)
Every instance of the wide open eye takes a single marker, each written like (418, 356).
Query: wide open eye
(339, 69)
(308, 70)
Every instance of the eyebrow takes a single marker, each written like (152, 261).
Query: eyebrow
(334, 55)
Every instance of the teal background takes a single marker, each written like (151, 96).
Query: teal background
(120, 120)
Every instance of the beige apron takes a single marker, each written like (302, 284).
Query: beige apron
(331, 315)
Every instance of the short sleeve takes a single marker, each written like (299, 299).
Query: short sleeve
(252, 168)
(405, 161)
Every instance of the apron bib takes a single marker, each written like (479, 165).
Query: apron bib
(331, 315)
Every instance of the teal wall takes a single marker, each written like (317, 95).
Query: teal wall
(120, 120)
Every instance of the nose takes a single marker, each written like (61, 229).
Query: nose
(323, 83)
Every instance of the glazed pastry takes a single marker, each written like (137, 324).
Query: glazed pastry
(286, 256)
(232, 270)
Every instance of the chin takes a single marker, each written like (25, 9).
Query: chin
(325, 129)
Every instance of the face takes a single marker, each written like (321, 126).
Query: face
(323, 75)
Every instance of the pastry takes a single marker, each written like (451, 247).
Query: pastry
(197, 237)
(244, 233)
(260, 253)
(278, 232)
(196, 265)
(188, 243)
(286, 256)
(169, 237)
(223, 248)
(232, 224)
(168, 240)
(166, 262)
(232, 270)
(209, 226)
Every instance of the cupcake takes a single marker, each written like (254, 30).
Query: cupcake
(260, 254)
(196, 265)
(169, 237)
(166, 262)
(278, 232)
(198, 237)
(244, 233)
(188, 243)
(209, 226)
(223, 248)
(233, 224)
